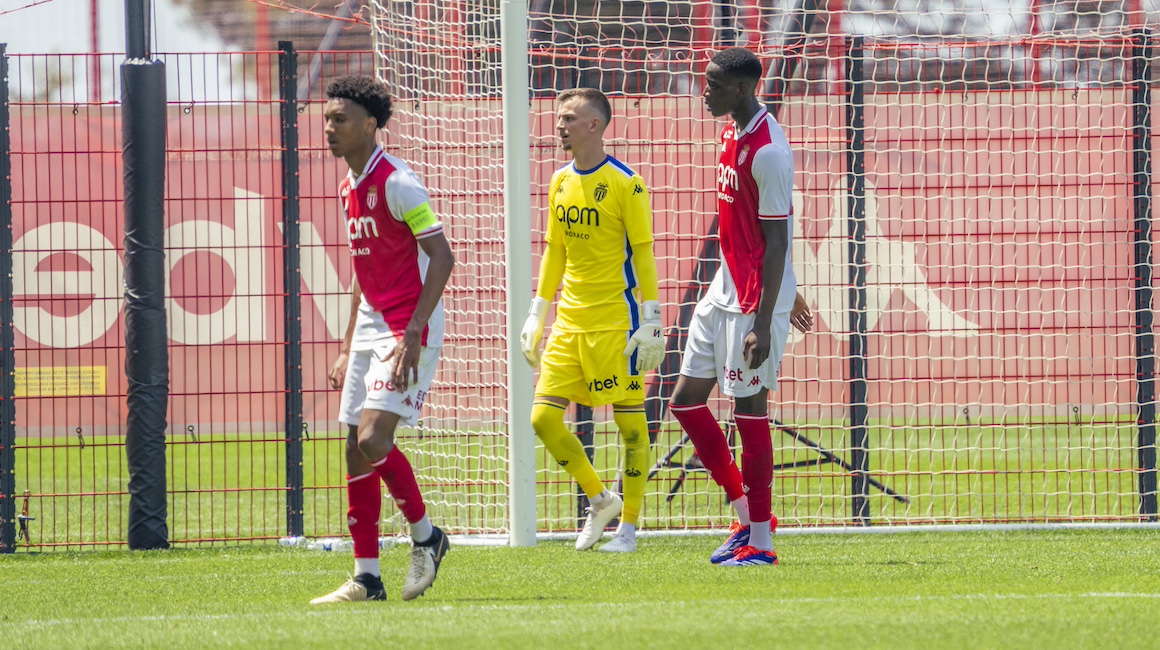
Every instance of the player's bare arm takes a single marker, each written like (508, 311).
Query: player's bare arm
(406, 353)
(337, 374)
(757, 342)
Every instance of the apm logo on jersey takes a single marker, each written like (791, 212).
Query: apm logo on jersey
(574, 216)
(726, 182)
(362, 227)
(726, 177)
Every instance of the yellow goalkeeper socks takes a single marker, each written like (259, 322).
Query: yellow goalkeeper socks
(565, 447)
(633, 427)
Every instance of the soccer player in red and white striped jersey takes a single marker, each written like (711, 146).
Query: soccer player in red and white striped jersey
(740, 328)
(390, 351)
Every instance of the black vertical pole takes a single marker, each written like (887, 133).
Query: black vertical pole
(586, 430)
(7, 334)
(856, 246)
(1142, 209)
(146, 354)
(137, 25)
(292, 281)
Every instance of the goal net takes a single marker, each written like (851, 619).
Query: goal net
(968, 251)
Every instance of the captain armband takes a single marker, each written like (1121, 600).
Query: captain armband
(420, 218)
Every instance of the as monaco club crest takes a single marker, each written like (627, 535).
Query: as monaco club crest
(744, 154)
(601, 192)
(372, 197)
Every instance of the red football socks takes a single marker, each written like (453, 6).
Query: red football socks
(396, 472)
(709, 441)
(756, 464)
(365, 496)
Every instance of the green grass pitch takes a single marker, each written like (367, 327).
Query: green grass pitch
(1001, 589)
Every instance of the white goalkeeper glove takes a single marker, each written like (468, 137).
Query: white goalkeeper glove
(646, 341)
(534, 331)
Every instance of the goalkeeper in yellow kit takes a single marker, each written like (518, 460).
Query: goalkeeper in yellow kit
(607, 332)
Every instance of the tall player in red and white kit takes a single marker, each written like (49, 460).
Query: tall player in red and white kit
(402, 262)
(739, 329)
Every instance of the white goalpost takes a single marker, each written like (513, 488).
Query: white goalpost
(517, 208)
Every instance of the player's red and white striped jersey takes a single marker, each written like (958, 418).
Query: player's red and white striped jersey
(754, 182)
(388, 211)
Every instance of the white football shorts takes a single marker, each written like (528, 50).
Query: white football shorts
(715, 349)
(368, 385)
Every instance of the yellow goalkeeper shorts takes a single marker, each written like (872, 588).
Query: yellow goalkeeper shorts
(589, 368)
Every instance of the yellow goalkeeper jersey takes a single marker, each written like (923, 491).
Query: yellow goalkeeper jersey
(597, 215)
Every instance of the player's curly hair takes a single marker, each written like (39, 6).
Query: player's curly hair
(738, 62)
(366, 92)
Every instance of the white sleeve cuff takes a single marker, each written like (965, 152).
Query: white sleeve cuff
(539, 307)
(651, 310)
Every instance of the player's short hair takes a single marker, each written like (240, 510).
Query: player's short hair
(739, 63)
(592, 96)
(366, 92)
